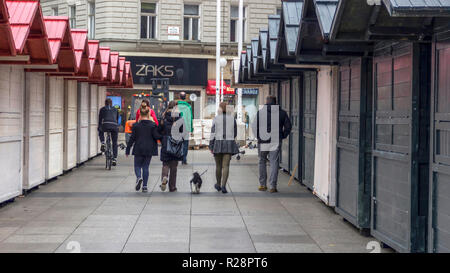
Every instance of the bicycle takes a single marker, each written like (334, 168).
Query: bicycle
(108, 152)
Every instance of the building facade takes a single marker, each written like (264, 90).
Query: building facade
(170, 38)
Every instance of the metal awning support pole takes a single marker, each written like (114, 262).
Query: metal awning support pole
(218, 54)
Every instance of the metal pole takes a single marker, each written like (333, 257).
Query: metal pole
(240, 27)
(221, 84)
(218, 19)
(239, 110)
(240, 41)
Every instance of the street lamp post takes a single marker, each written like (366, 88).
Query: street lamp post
(223, 64)
(218, 19)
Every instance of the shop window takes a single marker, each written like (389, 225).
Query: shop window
(191, 23)
(148, 20)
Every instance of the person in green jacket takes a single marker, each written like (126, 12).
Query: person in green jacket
(185, 110)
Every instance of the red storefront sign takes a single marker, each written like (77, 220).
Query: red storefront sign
(211, 88)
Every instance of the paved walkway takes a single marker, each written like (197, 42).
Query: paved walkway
(100, 211)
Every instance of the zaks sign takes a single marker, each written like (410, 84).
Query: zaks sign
(179, 71)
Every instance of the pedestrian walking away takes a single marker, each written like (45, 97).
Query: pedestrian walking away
(108, 119)
(186, 112)
(171, 129)
(146, 103)
(143, 140)
(268, 147)
(223, 145)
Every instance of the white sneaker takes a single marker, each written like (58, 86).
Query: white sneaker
(164, 183)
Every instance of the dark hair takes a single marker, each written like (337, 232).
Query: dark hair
(108, 102)
(271, 100)
(171, 104)
(183, 95)
(223, 106)
(146, 102)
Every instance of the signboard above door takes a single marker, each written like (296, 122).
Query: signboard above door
(179, 71)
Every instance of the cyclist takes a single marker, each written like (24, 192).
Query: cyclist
(108, 122)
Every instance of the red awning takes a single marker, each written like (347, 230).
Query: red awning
(61, 43)
(21, 14)
(7, 46)
(28, 31)
(94, 56)
(114, 67)
(211, 88)
(104, 61)
(129, 77)
(122, 71)
(81, 48)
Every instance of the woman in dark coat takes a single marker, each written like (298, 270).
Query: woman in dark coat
(143, 138)
(171, 118)
(223, 145)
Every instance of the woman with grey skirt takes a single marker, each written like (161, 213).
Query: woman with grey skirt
(223, 145)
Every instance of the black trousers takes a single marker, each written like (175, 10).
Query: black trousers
(114, 136)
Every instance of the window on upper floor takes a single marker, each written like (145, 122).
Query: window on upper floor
(279, 11)
(91, 19)
(73, 16)
(54, 11)
(234, 23)
(191, 22)
(148, 20)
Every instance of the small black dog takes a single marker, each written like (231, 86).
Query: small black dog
(197, 181)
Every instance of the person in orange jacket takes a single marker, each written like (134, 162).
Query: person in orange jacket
(128, 129)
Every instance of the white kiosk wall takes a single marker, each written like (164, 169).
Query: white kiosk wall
(12, 89)
(55, 126)
(34, 130)
(70, 124)
(101, 103)
(83, 122)
(325, 152)
(93, 124)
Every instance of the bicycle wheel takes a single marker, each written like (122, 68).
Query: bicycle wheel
(108, 152)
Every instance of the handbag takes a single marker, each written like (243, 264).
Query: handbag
(174, 147)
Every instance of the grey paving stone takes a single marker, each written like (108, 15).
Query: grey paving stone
(215, 221)
(5, 232)
(93, 247)
(221, 240)
(282, 239)
(35, 239)
(48, 228)
(28, 247)
(287, 248)
(157, 247)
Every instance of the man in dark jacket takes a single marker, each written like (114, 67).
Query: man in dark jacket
(272, 125)
(108, 118)
(143, 138)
